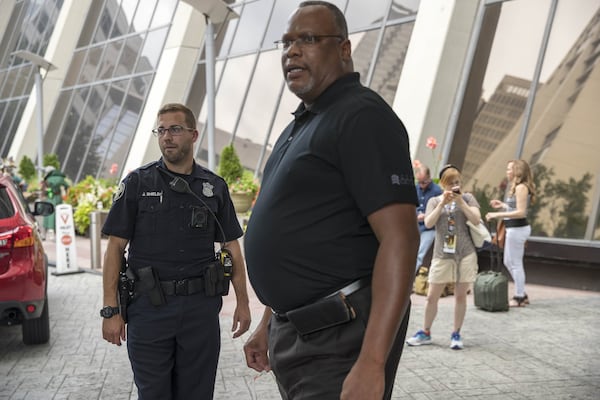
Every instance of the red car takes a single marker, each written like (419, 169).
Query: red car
(23, 265)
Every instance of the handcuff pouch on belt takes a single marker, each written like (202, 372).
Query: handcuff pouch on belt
(322, 314)
(217, 275)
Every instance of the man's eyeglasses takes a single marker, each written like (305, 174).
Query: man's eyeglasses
(425, 182)
(174, 130)
(303, 41)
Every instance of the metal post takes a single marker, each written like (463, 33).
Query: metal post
(95, 243)
(535, 80)
(40, 121)
(210, 91)
(38, 62)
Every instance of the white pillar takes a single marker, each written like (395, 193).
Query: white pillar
(432, 71)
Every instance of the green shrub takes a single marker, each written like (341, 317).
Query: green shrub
(238, 179)
(81, 217)
(51, 160)
(230, 167)
(85, 197)
(27, 169)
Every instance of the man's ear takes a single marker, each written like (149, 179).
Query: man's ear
(347, 50)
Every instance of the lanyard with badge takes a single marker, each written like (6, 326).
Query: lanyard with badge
(450, 235)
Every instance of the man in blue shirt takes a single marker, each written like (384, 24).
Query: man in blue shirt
(426, 189)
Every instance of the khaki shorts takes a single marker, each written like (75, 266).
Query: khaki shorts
(446, 270)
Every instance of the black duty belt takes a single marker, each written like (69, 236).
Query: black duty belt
(182, 287)
(346, 291)
(515, 223)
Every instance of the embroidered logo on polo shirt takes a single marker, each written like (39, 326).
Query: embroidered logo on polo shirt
(401, 180)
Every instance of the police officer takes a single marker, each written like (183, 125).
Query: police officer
(173, 333)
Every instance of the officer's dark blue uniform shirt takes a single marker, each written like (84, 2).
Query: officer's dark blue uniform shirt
(173, 232)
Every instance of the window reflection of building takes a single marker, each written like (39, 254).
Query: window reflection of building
(250, 84)
(494, 120)
(563, 138)
(107, 84)
(30, 27)
(391, 55)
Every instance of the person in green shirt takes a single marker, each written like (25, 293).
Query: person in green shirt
(55, 185)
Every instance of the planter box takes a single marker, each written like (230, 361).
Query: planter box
(242, 201)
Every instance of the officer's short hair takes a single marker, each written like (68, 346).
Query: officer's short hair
(190, 118)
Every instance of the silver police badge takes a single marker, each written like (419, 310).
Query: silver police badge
(207, 189)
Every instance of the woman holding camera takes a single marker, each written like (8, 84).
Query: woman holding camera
(520, 195)
(454, 255)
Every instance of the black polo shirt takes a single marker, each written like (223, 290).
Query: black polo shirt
(171, 231)
(334, 165)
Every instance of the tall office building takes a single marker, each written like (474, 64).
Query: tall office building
(495, 119)
(563, 136)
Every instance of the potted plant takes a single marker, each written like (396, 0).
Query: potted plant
(242, 185)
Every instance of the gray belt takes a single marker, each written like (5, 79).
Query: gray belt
(353, 287)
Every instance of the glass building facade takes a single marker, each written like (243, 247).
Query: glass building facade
(511, 79)
(29, 26)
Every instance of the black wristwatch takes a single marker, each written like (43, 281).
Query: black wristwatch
(109, 312)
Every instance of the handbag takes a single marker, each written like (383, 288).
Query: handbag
(500, 235)
(479, 235)
(421, 284)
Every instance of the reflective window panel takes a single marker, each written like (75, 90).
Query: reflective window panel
(557, 131)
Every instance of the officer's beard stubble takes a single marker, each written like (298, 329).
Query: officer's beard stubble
(175, 155)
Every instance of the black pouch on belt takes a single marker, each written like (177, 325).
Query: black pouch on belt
(213, 278)
(322, 314)
(217, 275)
(150, 284)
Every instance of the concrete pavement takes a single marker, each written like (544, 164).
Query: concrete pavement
(548, 350)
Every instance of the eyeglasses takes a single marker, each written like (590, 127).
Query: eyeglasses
(174, 130)
(303, 41)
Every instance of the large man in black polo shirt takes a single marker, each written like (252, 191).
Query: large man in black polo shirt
(336, 211)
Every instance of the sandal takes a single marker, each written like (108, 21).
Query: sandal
(525, 299)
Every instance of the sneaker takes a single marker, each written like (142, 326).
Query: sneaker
(456, 341)
(420, 338)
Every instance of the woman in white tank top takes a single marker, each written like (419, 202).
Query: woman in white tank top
(520, 194)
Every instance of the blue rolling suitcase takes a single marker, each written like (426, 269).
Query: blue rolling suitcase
(491, 287)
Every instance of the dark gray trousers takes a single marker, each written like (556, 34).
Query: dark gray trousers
(314, 366)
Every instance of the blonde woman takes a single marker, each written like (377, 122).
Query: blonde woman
(520, 194)
(454, 255)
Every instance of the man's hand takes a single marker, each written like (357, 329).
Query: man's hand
(241, 320)
(113, 329)
(256, 349)
(257, 346)
(366, 381)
